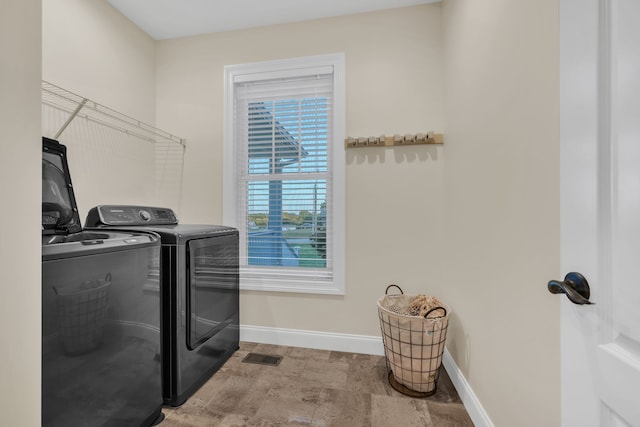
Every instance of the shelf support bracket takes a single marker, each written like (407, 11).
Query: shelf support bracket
(71, 117)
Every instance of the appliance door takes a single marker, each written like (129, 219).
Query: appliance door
(213, 286)
(100, 335)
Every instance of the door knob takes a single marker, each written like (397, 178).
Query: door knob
(575, 286)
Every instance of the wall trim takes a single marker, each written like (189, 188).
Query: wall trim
(473, 406)
(312, 339)
(365, 344)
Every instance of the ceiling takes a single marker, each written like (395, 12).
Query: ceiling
(166, 19)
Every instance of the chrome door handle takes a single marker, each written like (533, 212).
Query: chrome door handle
(575, 286)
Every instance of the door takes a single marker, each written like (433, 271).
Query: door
(600, 210)
(213, 286)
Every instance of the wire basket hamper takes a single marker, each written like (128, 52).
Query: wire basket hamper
(81, 315)
(413, 345)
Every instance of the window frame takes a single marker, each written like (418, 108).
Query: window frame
(281, 280)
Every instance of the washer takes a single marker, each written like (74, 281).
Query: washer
(100, 314)
(200, 293)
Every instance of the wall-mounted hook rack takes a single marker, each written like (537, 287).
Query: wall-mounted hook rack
(394, 141)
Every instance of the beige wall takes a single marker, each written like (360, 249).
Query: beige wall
(394, 85)
(20, 165)
(474, 222)
(501, 184)
(90, 49)
(93, 51)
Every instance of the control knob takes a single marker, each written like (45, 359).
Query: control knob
(145, 215)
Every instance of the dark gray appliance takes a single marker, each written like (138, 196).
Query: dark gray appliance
(200, 293)
(100, 314)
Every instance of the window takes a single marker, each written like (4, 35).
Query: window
(284, 172)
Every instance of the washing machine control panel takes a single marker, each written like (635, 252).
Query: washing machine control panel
(129, 215)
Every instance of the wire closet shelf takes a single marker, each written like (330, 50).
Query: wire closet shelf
(81, 107)
(124, 156)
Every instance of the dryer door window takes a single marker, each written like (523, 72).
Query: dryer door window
(213, 286)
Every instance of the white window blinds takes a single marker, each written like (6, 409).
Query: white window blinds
(283, 143)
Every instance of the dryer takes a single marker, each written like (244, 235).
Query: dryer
(199, 283)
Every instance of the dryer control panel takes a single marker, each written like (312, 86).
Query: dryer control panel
(122, 215)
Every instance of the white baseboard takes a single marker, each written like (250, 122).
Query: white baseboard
(364, 344)
(310, 339)
(469, 399)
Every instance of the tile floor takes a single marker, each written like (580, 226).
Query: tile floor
(312, 388)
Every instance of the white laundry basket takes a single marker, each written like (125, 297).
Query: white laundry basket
(413, 345)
